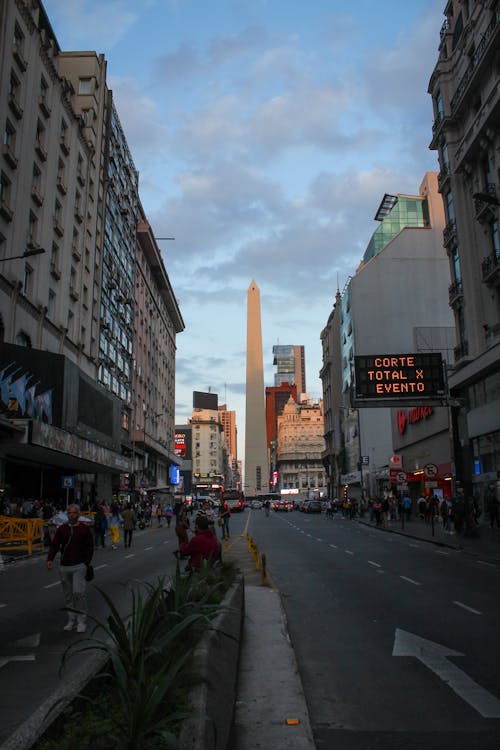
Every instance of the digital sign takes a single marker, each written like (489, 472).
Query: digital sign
(394, 377)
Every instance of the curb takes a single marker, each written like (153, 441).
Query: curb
(215, 664)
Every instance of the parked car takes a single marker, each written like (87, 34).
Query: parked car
(256, 504)
(312, 506)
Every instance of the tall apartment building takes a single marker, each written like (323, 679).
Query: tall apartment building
(397, 302)
(465, 90)
(68, 217)
(300, 448)
(209, 450)
(290, 363)
(228, 421)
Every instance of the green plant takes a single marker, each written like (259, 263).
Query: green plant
(148, 649)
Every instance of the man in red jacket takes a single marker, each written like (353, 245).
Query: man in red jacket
(75, 543)
(203, 545)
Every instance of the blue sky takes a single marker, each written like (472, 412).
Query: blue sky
(265, 133)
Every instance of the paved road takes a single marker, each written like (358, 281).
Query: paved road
(31, 618)
(396, 640)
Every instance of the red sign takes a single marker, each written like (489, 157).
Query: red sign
(180, 444)
(412, 416)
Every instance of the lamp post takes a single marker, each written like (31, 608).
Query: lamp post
(28, 253)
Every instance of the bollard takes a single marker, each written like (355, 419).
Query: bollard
(265, 580)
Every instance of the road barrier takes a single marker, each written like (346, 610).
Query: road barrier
(21, 534)
(260, 564)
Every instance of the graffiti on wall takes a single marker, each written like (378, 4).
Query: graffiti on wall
(18, 394)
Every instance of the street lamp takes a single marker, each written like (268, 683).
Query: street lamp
(28, 253)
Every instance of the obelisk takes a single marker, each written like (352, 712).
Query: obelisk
(256, 460)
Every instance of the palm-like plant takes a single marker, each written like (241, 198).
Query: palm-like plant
(147, 650)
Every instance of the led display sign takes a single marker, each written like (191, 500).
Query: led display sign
(399, 377)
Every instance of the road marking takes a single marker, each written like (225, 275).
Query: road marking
(410, 580)
(441, 552)
(469, 609)
(31, 641)
(318, 540)
(483, 562)
(333, 546)
(167, 542)
(128, 556)
(146, 549)
(380, 571)
(417, 546)
(433, 655)
(348, 552)
(51, 585)
(3, 605)
(370, 562)
(104, 565)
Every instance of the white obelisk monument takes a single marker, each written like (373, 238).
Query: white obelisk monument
(256, 457)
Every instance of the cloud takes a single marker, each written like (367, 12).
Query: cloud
(93, 26)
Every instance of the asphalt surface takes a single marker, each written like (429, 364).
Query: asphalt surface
(357, 601)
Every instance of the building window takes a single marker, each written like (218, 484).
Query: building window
(439, 106)
(85, 86)
(22, 339)
(455, 261)
(445, 158)
(5, 190)
(449, 205)
(32, 228)
(28, 280)
(51, 305)
(495, 239)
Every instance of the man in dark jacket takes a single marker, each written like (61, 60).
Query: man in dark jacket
(203, 545)
(75, 543)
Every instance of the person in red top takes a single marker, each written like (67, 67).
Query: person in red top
(75, 542)
(202, 546)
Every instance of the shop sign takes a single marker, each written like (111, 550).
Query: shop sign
(412, 416)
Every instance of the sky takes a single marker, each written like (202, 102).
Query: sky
(266, 133)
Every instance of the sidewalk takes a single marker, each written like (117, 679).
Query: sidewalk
(269, 690)
(486, 545)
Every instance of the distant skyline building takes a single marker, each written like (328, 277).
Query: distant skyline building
(289, 361)
(228, 421)
(256, 458)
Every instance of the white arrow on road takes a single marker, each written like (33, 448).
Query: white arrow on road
(433, 655)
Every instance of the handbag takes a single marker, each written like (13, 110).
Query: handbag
(89, 573)
(220, 521)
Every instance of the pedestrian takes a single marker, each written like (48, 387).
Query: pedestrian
(202, 546)
(100, 524)
(223, 520)
(75, 543)
(159, 514)
(267, 506)
(114, 525)
(493, 507)
(181, 524)
(169, 513)
(407, 507)
(129, 522)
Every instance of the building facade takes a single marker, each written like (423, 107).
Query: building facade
(300, 449)
(69, 212)
(397, 302)
(290, 363)
(465, 90)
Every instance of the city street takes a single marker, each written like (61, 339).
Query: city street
(31, 617)
(396, 640)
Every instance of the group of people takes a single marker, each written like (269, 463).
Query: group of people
(75, 540)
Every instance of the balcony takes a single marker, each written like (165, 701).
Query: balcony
(9, 156)
(78, 214)
(6, 211)
(73, 293)
(480, 56)
(61, 186)
(18, 56)
(455, 293)
(63, 142)
(15, 107)
(75, 251)
(44, 107)
(450, 232)
(55, 271)
(443, 178)
(36, 196)
(58, 227)
(461, 351)
(486, 204)
(42, 153)
(490, 268)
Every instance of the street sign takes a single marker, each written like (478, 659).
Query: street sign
(365, 460)
(401, 476)
(430, 470)
(402, 377)
(68, 483)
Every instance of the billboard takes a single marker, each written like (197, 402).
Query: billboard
(399, 377)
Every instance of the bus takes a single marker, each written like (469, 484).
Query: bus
(234, 499)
